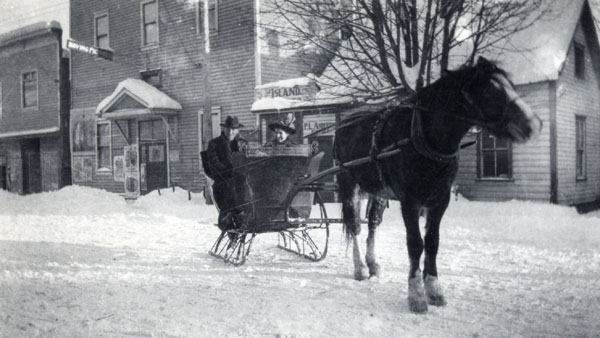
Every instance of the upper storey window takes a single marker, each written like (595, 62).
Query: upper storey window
(149, 23)
(101, 30)
(579, 61)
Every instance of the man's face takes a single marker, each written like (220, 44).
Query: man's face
(281, 135)
(231, 133)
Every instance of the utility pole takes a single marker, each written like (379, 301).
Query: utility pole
(207, 88)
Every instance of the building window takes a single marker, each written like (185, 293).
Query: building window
(149, 23)
(29, 89)
(272, 37)
(580, 146)
(0, 100)
(494, 157)
(579, 61)
(103, 156)
(101, 30)
(212, 15)
(153, 130)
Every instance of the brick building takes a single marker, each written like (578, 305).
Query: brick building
(34, 108)
(138, 121)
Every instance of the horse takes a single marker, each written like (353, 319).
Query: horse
(427, 129)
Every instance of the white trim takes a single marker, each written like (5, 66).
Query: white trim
(37, 90)
(30, 132)
(143, 31)
(257, 57)
(96, 16)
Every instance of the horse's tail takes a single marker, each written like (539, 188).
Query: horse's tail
(349, 194)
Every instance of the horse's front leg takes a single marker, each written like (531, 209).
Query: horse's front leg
(349, 193)
(417, 302)
(375, 210)
(433, 290)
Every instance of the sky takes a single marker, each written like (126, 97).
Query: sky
(19, 13)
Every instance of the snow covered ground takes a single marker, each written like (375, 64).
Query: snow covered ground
(81, 262)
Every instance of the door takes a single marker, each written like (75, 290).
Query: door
(153, 156)
(32, 168)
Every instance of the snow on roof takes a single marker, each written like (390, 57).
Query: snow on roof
(28, 31)
(147, 95)
(288, 83)
(538, 52)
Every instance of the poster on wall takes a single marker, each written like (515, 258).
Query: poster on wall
(83, 167)
(132, 173)
(83, 131)
(119, 168)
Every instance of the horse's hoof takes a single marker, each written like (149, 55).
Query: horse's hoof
(374, 270)
(436, 300)
(417, 301)
(433, 291)
(361, 274)
(417, 305)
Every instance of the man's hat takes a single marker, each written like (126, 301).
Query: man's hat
(286, 124)
(232, 123)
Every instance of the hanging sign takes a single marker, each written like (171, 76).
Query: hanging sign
(99, 52)
(132, 171)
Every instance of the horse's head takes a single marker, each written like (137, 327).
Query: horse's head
(492, 103)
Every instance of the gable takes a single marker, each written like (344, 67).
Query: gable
(125, 102)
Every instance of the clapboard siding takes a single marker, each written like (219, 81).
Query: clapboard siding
(180, 57)
(578, 97)
(531, 161)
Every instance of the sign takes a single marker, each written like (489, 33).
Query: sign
(132, 171)
(99, 52)
(301, 90)
(118, 168)
(313, 123)
(82, 168)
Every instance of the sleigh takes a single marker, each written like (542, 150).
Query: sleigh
(284, 199)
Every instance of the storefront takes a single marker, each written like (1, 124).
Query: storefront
(128, 141)
(314, 114)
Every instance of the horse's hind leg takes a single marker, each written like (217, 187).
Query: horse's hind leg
(433, 290)
(375, 210)
(350, 198)
(417, 302)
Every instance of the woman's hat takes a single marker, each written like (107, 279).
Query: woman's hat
(286, 124)
(231, 123)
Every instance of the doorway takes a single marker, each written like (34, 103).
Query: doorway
(32, 166)
(326, 146)
(153, 155)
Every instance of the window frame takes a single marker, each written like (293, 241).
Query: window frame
(579, 60)
(97, 148)
(37, 90)
(98, 15)
(200, 17)
(1, 100)
(495, 150)
(143, 26)
(581, 137)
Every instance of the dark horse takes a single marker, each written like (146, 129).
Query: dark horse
(428, 130)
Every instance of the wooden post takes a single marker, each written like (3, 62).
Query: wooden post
(207, 116)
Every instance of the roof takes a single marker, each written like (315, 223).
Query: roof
(150, 99)
(538, 52)
(29, 31)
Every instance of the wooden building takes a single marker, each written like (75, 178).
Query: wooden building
(556, 67)
(138, 120)
(34, 108)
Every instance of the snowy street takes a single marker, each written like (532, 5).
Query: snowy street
(82, 262)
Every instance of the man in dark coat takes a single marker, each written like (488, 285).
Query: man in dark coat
(283, 129)
(229, 188)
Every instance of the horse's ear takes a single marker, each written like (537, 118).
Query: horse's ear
(483, 61)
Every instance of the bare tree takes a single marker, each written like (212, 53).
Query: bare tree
(376, 47)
